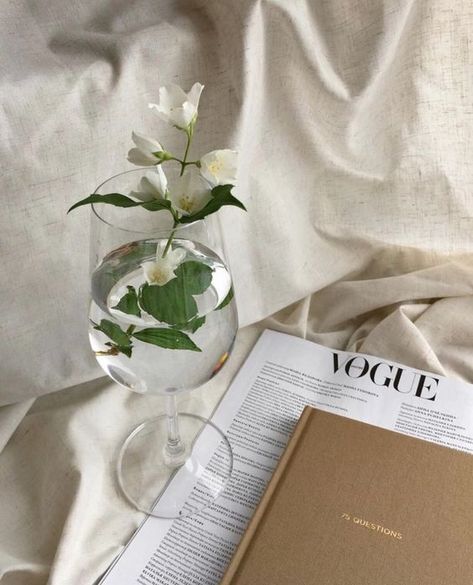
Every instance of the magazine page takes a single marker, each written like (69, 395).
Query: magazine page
(258, 413)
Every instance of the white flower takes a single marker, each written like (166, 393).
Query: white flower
(219, 167)
(162, 269)
(189, 193)
(177, 107)
(143, 155)
(153, 185)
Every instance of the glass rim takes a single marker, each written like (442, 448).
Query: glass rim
(153, 231)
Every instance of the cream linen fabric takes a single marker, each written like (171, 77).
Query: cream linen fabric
(353, 122)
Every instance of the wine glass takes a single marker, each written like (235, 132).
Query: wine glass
(162, 339)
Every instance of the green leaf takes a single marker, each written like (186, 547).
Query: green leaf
(226, 300)
(222, 190)
(156, 204)
(120, 200)
(221, 195)
(192, 326)
(167, 338)
(171, 303)
(121, 348)
(197, 276)
(195, 324)
(129, 303)
(111, 198)
(125, 349)
(114, 332)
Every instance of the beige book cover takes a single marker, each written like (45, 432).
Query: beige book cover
(353, 504)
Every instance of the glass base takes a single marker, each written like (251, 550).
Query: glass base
(165, 489)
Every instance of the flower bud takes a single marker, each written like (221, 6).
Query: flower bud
(163, 155)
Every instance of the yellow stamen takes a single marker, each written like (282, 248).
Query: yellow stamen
(186, 203)
(215, 167)
(158, 275)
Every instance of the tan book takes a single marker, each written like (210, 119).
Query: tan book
(353, 504)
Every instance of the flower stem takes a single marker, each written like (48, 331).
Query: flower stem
(171, 237)
(111, 351)
(184, 163)
(184, 160)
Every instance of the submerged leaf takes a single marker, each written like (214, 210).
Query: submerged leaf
(226, 300)
(192, 326)
(167, 338)
(196, 276)
(113, 332)
(129, 303)
(173, 302)
(120, 349)
(170, 303)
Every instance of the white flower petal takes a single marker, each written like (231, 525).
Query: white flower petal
(147, 187)
(145, 192)
(194, 95)
(229, 156)
(189, 193)
(159, 272)
(178, 118)
(176, 257)
(160, 249)
(177, 107)
(158, 182)
(171, 96)
(145, 143)
(152, 186)
(162, 269)
(219, 167)
(136, 157)
(142, 196)
(188, 113)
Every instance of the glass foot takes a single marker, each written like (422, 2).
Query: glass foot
(160, 487)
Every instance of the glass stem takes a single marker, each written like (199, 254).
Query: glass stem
(174, 448)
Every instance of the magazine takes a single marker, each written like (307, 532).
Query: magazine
(258, 413)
